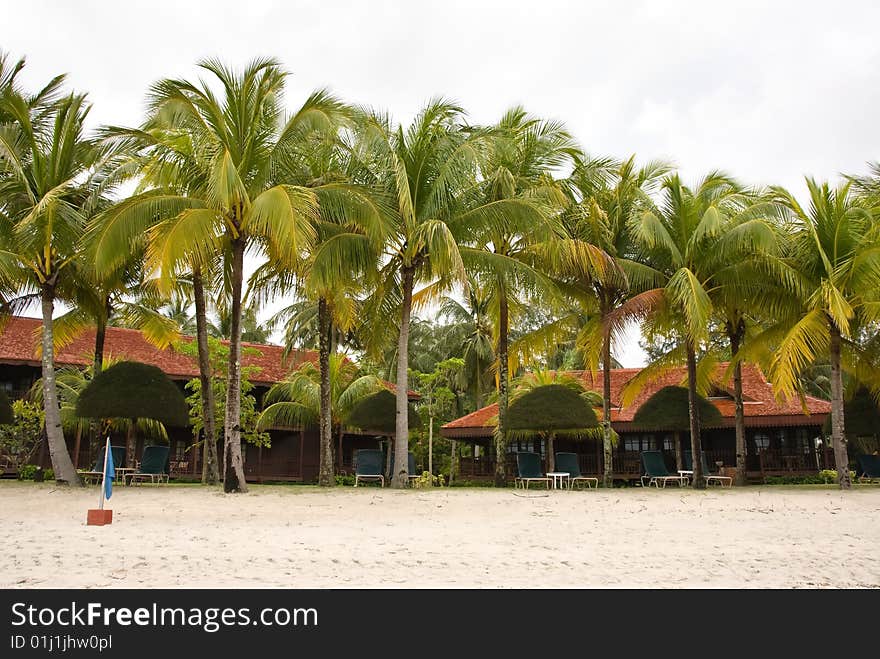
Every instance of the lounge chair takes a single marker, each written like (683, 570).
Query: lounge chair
(569, 462)
(528, 467)
(869, 468)
(656, 473)
(152, 467)
(369, 465)
(97, 472)
(411, 468)
(688, 460)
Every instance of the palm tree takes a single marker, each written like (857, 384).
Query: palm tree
(48, 185)
(522, 153)
(425, 168)
(299, 400)
(217, 167)
(473, 315)
(350, 232)
(834, 246)
(607, 196)
(689, 243)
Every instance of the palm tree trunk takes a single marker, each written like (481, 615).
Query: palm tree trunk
(696, 447)
(735, 337)
(501, 431)
(58, 454)
(130, 443)
(838, 431)
(608, 471)
(210, 471)
(678, 456)
(551, 453)
(97, 367)
(401, 435)
(325, 470)
(233, 477)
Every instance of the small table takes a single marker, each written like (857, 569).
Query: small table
(121, 473)
(686, 475)
(559, 479)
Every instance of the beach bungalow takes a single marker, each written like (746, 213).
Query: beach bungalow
(782, 438)
(293, 456)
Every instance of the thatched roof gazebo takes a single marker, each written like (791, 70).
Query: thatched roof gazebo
(132, 390)
(378, 413)
(7, 416)
(669, 409)
(550, 410)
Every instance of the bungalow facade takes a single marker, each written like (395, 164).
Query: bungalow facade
(294, 452)
(782, 437)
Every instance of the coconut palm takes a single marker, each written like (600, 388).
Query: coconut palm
(477, 350)
(606, 196)
(426, 169)
(217, 166)
(48, 185)
(351, 228)
(834, 245)
(690, 241)
(523, 151)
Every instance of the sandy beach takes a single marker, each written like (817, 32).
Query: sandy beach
(293, 536)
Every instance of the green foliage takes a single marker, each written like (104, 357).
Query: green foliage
(668, 409)
(6, 413)
(426, 479)
(348, 479)
(131, 390)
(20, 439)
(219, 362)
(30, 472)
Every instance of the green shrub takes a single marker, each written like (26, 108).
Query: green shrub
(427, 480)
(344, 480)
(26, 472)
(830, 475)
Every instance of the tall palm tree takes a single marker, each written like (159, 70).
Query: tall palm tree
(351, 228)
(226, 153)
(517, 170)
(48, 170)
(689, 243)
(834, 246)
(425, 169)
(606, 197)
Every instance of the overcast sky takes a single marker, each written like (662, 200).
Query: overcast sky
(767, 91)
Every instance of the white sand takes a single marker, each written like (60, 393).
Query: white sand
(189, 536)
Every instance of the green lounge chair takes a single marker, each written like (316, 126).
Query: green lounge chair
(688, 460)
(528, 467)
(411, 467)
(569, 462)
(97, 472)
(656, 473)
(152, 467)
(869, 468)
(369, 465)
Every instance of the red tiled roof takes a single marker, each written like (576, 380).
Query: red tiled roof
(19, 340)
(760, 405)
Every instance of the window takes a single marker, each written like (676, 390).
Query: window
(762, 441)
(668, 442)
(638, 443)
